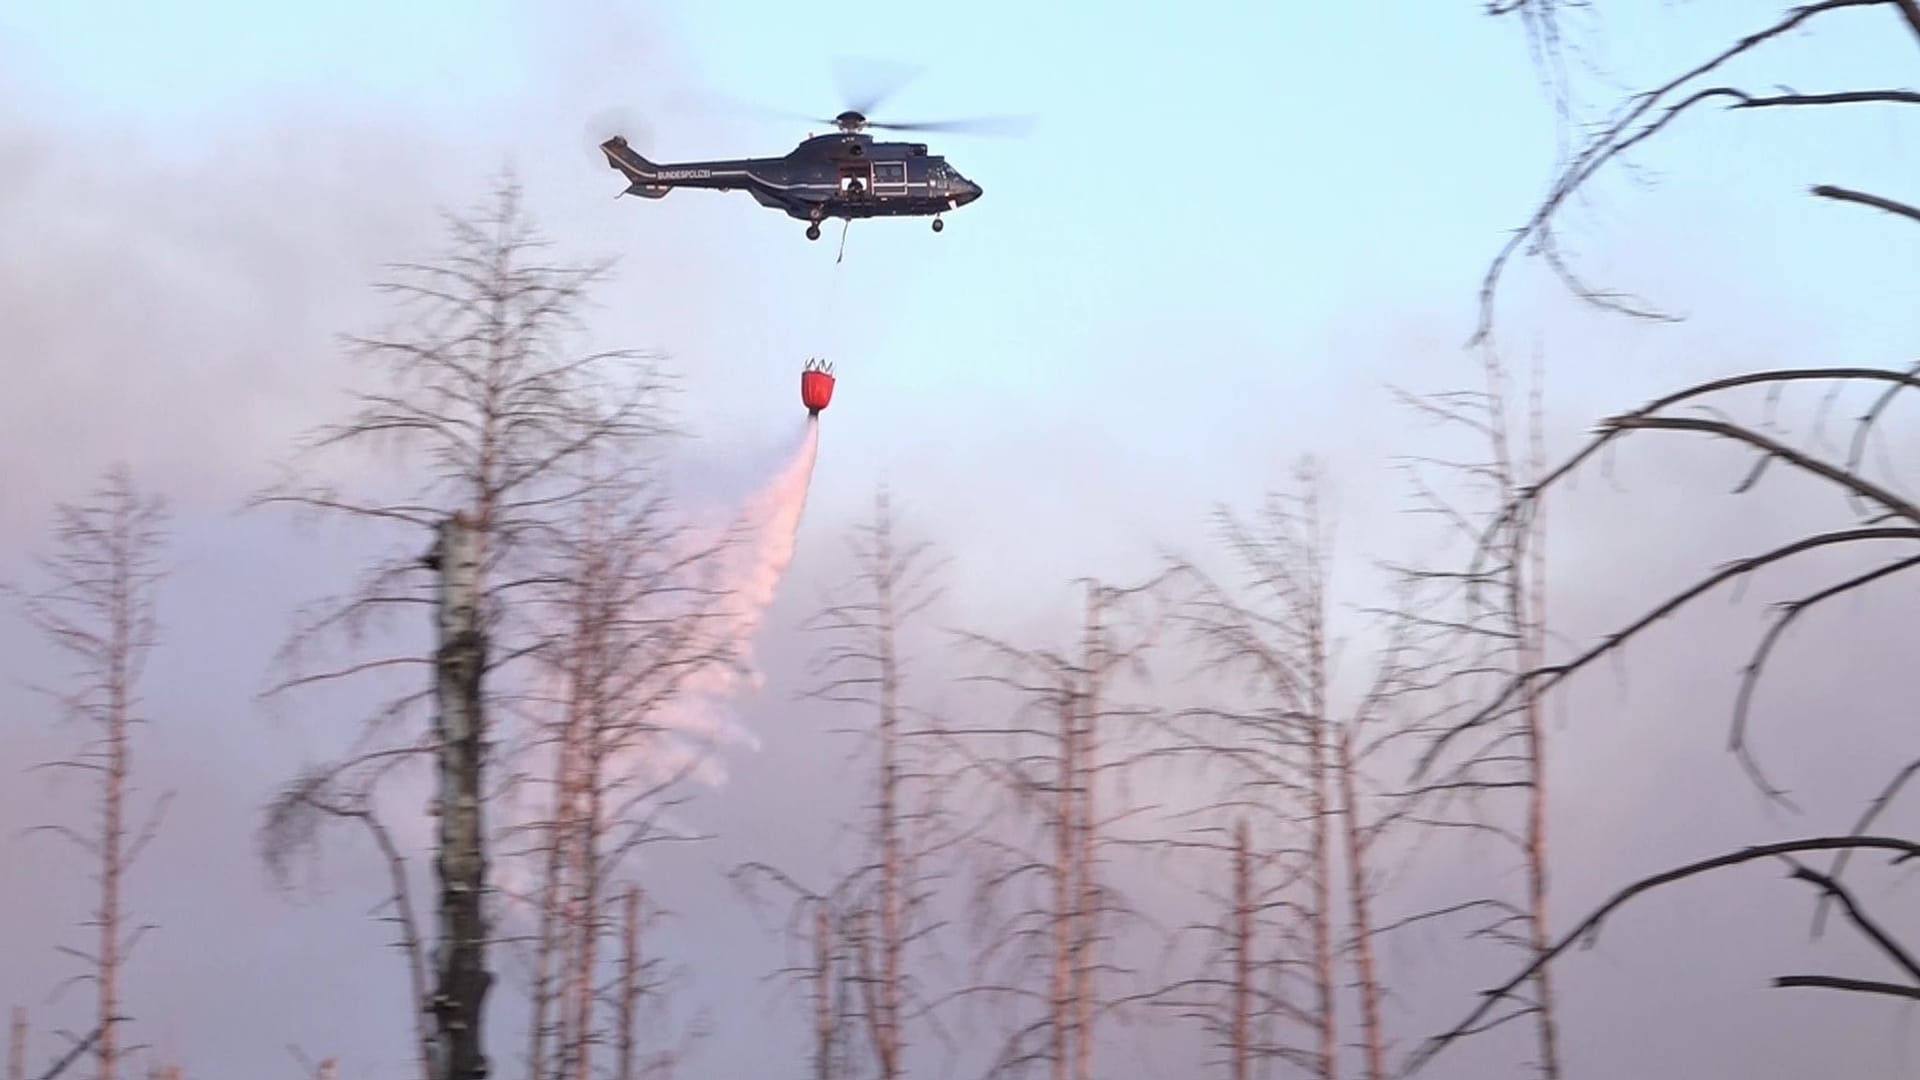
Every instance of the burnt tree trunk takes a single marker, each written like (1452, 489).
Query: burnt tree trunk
(548, 951)
(1086, 900)
(1360, 901)
(1242, 1031)
(1064, 893)
(823, 1002)
(630, 985)
(575, 979)
(587, 926)
(1530, 615)
(122, 618)
(461, 960)
(1319, 805)
(886, 1024)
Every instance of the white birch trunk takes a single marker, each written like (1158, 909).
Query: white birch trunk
(460, 952)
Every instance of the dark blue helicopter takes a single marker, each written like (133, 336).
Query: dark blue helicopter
(844, 175)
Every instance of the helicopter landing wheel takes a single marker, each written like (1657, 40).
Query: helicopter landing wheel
(813, 231)
(938, 224)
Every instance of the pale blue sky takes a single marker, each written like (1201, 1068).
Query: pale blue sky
(1244, 181)
(1232, 224)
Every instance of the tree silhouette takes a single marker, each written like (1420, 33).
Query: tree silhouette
(98, 608)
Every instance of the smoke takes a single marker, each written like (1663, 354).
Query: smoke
(743, 557)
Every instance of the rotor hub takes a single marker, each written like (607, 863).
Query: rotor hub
(850, 121)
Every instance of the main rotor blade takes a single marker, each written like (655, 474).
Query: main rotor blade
(721, 104)
(616, 120)
(1013, 126)
(866, 81)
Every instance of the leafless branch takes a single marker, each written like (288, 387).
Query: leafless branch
(1644, 116)
(1861, 198)
(1588, 928)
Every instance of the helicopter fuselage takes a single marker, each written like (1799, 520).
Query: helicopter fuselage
(843, 175)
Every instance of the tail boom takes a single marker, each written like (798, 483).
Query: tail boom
(624, 158)
(643, 176)
(651, 180)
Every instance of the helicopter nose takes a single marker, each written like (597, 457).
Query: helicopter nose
(969, 191)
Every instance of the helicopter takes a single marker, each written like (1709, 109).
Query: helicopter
(844, 174)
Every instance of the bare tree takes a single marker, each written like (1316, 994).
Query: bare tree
(635, 611)
(1238, 989)
(98, 608)
(887, 903)
(817, 927)
(864, 667)
(491, 404)
(637, 990)
(1883, 520)
(1490, 618)
(1294, 767)
(292, 828)
(1044, 910)
(1279, 748)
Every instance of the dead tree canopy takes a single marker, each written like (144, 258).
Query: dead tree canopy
(98, 608)
(1049, 785)
(1879, 534)
(633, 628)
(484, 400)
(1487, 604)
(874, 927)
(1287, 759)
(487, 402)
(1649, 114)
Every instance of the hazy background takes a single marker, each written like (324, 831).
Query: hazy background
(1233, 226)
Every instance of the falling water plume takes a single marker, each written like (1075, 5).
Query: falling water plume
(751, 572)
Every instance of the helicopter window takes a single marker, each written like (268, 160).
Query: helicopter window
(855, 178)
(889, 174)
